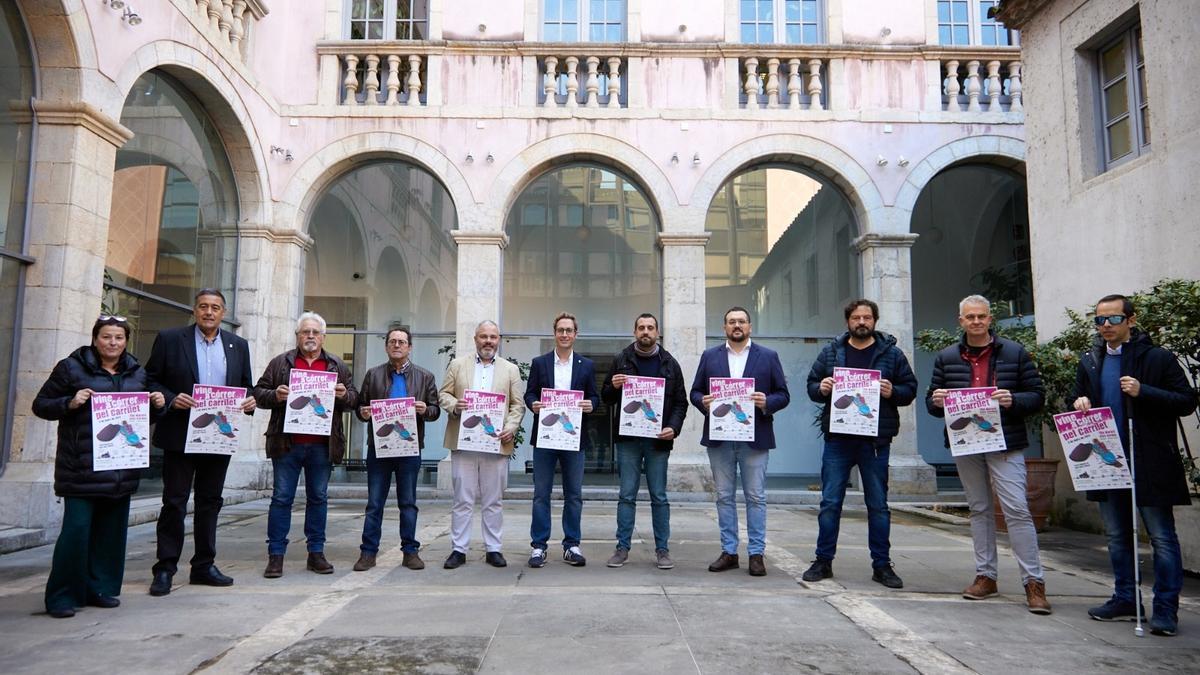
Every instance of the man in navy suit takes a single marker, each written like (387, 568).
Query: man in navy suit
(560, 369)
(199, 353)
(738, 357)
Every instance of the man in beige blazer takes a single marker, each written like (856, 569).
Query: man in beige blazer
(480, 475)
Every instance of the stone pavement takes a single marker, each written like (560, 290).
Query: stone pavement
(592, 619)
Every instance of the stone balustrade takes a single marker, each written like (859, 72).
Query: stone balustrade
(791, 81)
(231, 21)
(384, 76)
(974, 84)
(570, 81)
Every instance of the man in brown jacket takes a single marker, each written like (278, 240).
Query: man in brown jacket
(291, 453)
(398, 378)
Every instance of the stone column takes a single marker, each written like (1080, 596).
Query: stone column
(887, 279)
(270, 275)
(72, 191)
(480, 285)
(683, 336)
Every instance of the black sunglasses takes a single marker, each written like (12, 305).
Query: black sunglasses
(1114, 319)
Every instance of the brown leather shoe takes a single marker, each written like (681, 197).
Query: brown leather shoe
(318, 563)
(758, 568)
(274, 567)
(365, 562)
(725, 562)
(982, 587)
(413, 561)
(1035, 597)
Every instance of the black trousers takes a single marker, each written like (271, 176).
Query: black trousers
(180, 473)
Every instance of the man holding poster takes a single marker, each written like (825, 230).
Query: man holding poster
(481, 473)
(312, 453)
(983, 359)
(862, 379)
(412, 391)
(739, 358)
(198, 360)
(1145, 384)
(560, 375)
(645, 358)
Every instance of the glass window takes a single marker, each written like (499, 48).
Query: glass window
(389, 19)
(173, 220)
(378, 262)
(780, 21)
(966, 22)
(603, 20)
(1123, 101)
(598, 230)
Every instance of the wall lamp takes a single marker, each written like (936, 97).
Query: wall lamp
(128, 16)
(285, 153)
(881, 160)
(696, 159)
(470, 158)
(674, 157)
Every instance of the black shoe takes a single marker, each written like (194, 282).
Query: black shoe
(103, 601)
(64, 613)
(820, 569)
(496, 559)
(161, 584)
(887, 576)
(210, 577)
(455, 560)
(724, 562)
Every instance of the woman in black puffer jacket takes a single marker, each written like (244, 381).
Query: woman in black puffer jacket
(89, 557)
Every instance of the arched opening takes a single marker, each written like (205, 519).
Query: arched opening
(781, 248)
(582, 239)
(973, 223)
(379, 231)
(17, 89)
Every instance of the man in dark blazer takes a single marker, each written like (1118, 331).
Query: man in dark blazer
(738, 357)
(199, 353)
(561, 368)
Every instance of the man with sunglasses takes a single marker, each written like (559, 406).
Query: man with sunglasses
(1145, 384)
(983, 359)
(199, 353)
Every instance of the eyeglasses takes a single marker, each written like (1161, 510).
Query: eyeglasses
(310, 331)
(397, 343)
(1114, 319)
(565, 331)
(976, 317)
(111, 317)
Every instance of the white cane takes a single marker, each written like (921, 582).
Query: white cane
(1137, 573)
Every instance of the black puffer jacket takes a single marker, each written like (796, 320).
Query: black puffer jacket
(675, 401)
(73, 474)
(893, 367)
(1163, 398)
(1011, 367)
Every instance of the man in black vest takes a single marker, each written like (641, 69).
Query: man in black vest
(199, 353)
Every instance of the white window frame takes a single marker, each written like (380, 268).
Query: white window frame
(779, 30)
(583, 21)
(390, 13)
(976, 18)
(1136, 104)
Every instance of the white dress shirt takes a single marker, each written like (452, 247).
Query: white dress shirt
(737, 361)
(562, 371)
(485, 374)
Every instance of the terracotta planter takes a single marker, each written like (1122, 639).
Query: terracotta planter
(1039, 491)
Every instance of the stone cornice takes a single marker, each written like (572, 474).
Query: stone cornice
(878, 240)
(271, 234)
(1017, 13)
(78, 113)
(258, 8)
(683, 238)
(485, 238)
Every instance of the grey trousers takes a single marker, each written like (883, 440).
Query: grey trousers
(1003, 472)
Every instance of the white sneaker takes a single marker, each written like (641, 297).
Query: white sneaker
(537, 558)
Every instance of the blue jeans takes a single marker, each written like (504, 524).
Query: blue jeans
(1168, 559)
(379, 483)
(840, 455)
(633, 457)
(726, 460)
(313, 459)
(571, 461)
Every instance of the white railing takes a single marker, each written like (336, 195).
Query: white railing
(979, 85)
(231, 20)
(572, 81)
(379, 77)
(782, 82)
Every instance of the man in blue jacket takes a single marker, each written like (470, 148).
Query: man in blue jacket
(561, 368)
(861, 346)
(738, 357)
(1145, 384)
